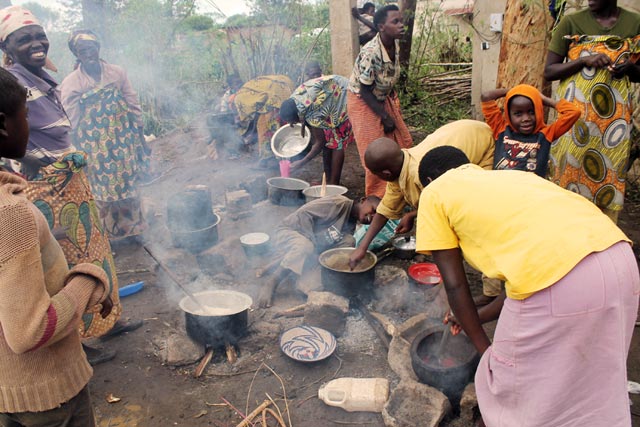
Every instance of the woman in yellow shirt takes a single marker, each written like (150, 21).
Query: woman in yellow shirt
(559, 351)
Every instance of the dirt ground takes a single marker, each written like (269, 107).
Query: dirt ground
(154, 394)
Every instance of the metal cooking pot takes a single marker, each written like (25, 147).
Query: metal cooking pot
(255, 243)
(404, 246)
(225, 322)
(195, 241)
(336, 276)
(286, 191)
(450, 378)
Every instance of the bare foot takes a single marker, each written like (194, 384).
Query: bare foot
(265, 297)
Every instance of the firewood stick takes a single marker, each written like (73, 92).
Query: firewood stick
(232, 356)
(203, 363)
(254, 413)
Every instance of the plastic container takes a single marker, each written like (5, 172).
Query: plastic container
(356, 394)
(285, 167)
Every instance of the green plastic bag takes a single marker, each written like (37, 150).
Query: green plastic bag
(387, 232)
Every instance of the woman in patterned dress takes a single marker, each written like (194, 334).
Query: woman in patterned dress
(601, 46)
(321, 105)
(107, 122)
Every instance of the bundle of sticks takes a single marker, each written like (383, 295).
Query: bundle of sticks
(449, 86)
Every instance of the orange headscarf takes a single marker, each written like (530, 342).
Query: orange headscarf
(534, 95)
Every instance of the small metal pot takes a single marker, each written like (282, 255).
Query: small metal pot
(255, 244)
(216, 330)
(451, 380)
(404, 247)
(336, 276)
(286, 191)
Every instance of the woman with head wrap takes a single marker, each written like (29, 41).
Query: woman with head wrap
(257, 104)
(57, 184)
(321, 104)
(107, 122)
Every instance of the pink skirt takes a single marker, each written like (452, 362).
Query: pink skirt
(559, 357)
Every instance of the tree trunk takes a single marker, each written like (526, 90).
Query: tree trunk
(408, 13)
(526, 34)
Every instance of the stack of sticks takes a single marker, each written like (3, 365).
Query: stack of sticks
(448, 86)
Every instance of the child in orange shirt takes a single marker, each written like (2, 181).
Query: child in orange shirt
(523, 140)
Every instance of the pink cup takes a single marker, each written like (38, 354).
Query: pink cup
(284, 168)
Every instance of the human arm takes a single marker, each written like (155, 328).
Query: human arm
(626, 68)
(556, 69)
(318, 141)
(406, 223)
(486, 313)
(493, 115)
(130, 96)
(40, 306)
(568, 115)
(366, 92)
(449, 262)
(377, 223)
(356, 14)
(70, 99)
(493, 94)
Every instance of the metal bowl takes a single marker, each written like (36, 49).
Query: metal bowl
(313, 192)
(286, 191)
(286, 142)
(404, 247)
(255, 243)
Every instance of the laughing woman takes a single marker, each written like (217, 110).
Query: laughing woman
(372, 103)
(107, 122)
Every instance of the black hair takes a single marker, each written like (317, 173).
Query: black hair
(289, 111)
(438, 161)
(368, 5)
(381, 15)
(14, 94)
(232, 78)
(375, 200)
(311, 65)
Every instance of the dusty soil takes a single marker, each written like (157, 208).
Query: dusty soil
(154, 394)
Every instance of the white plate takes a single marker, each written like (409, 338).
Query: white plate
(307, 343)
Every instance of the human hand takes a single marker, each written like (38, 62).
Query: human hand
(619, 70)
(354, 12)
(388, 124)
(450, 319)
(107, 306)
(548, 102)
(598, 61)
(406, 224)
(356, 257)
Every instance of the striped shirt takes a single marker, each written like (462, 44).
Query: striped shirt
(49, 126)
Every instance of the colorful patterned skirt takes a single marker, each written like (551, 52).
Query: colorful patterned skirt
(112, 141)
(61, 191)
(591, 159)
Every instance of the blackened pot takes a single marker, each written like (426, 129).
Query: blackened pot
(196, 241)
(336, 276)
(286, 191)
(451, 378)
(225, 320)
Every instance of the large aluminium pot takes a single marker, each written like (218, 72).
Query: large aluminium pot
(286, 191)
(450, 372)
(225, 320)
(337, 277)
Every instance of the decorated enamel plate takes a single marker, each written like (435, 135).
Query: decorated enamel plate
(307, 343)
